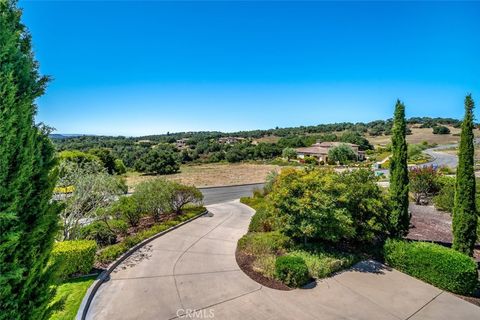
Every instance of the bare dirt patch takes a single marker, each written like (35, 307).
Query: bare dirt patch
(429, 224)
(209, 175)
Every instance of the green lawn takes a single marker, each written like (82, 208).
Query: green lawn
(69, 297)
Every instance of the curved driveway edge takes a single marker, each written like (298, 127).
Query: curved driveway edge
(191, 273)
(104, 276)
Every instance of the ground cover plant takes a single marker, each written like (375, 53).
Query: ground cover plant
(68, 298)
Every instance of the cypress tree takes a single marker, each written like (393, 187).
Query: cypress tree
(464, 222)
(400, 217)
(28, 219)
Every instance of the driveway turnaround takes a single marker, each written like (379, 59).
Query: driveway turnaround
(191, 273)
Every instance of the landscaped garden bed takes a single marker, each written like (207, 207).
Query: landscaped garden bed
(156, 206)
(292, 241)
(110, 253)
(311, 224)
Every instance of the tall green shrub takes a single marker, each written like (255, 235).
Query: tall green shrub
(465, 218)
(28, 220)
(399, 217)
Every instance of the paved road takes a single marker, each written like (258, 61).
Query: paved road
(191, 273)
(442, 159)
(222, 194)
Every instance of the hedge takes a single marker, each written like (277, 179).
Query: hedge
(292, 271)
(72, 257)
(440, 266)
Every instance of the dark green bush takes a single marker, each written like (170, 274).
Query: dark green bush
(442, 267)
(120, 227)
(73, 257)
(291, 270)
(441, 130)
(99, 232)
(257, 243)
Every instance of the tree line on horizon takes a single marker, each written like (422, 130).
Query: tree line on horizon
(204, 147)
(373, 128)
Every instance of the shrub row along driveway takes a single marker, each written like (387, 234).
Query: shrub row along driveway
(194, 268)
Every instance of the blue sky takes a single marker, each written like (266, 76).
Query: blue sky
(135, 68)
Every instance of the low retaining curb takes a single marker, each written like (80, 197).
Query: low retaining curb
(105, 275)
(231, 185)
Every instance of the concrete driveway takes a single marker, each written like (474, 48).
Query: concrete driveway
(191, 273)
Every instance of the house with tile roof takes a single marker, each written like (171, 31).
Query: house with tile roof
(320, 150)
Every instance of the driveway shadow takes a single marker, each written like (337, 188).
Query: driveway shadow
(370, 266)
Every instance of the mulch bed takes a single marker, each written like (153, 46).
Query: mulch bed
(145, 223)
(246, 264)
(429, 224)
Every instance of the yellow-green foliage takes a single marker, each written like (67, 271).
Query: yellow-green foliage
(325, 205)
(322, 264)
(74, 256)
(255, 203)
(260, 243)
(68, 298)
(265, 264)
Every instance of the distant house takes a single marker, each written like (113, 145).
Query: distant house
(230, 140)
(181, 143)
(320, 150)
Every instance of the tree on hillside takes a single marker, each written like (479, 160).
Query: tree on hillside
(441, 130)
(464, 222)
(28, 219)
(400, 217)
(158, 162)
(356, 138)
(341, 154)
(289, 153)
(106, 157)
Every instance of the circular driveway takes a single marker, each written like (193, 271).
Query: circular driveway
(191, 273)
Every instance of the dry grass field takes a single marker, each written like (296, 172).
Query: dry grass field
(268, 139)
(423, 134)
(214, 174)
(454, 151)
